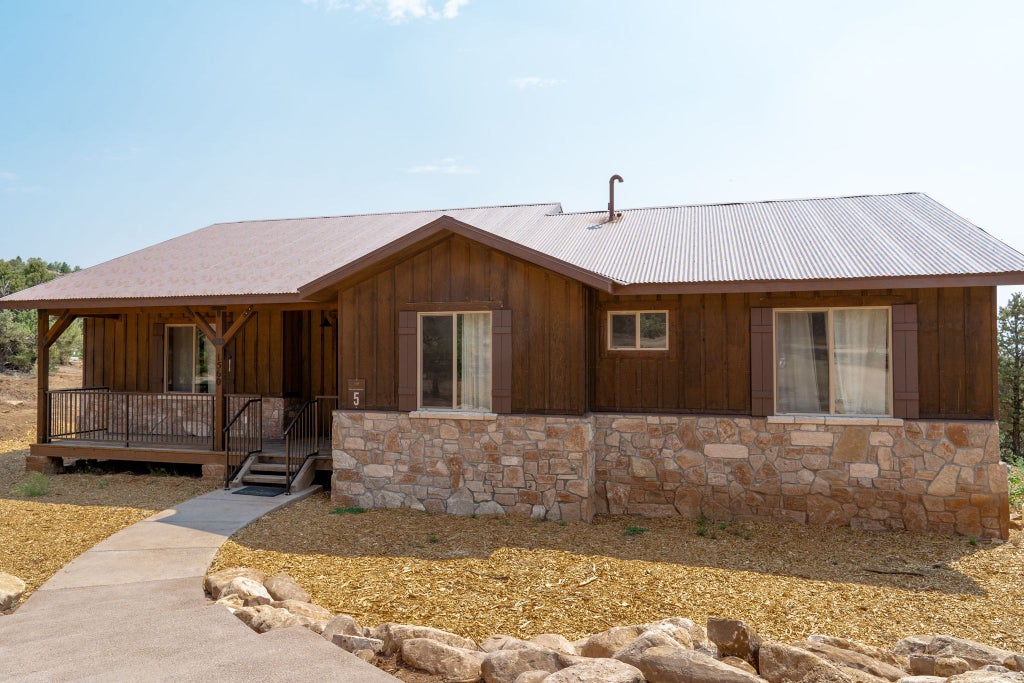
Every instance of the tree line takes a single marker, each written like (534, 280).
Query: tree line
(18, 328)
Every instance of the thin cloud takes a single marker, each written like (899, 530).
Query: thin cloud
(525, 82)
(449, 166)
(396, 11)
(8, 176)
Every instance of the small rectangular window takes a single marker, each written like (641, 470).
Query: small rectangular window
(455, 361)
(189, 360)
(637, 330)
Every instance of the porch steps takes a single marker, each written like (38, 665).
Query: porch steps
(264, 479)
(266, 470)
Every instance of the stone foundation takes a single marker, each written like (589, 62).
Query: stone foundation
(875, 474)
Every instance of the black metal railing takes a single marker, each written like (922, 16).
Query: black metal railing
(243, 436)
(69, 415)
(301, 440)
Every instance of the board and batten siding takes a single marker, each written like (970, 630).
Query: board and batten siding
(548, 313)
(706, 369)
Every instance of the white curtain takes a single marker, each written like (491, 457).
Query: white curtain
(474, 361)
(801, 384)
(861, 360)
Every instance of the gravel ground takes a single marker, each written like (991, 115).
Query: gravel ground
(481, 576)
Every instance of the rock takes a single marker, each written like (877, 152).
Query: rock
(1014, 662)
(251, 592)
(781, 663)
(394, 635)
(343, 625)
(898, 661)
(633, 652)
(263, 618)
(597, 671)
(553, 641)
(232, 602)
(11, 590)
(460, 502)
(489, 507)
(922, 665)
(216, 582)
(922, 679)
(740, 664)
(854, 660)
(304, 609)
(688, 634)
(355, 644)
(912, 645)
(950, 666)
(532, 676)
(607, 643)
(734, 639)
(500, 642)
(283, 587)
(504, 666)
(454, 664)
(679, 665)
(365, 655)
(977, 654)
(987, 677)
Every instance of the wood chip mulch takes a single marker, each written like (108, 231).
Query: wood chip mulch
(482, 576)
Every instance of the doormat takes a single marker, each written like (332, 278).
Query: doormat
(265, 491)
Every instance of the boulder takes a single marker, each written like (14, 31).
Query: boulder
(987, 677)
(951, 666)
(532, 676)
(284, 587)
(890, 658)
(607, 643)
(251, 592)
(922, 679)
(394, 635)
(365, 655)
(688, 634)
(342, 624)
(597, 671)
(263, 618)
(741, 664)
(500, 642)
(505, 666)
(634, 651)
(1014, 662)
(912, 645)
(355, 644)
(305, 609)
(216, 582)
(553, 641)
(11, 590)
(679, 665)
(232, 602)
(853, 660)
(734, 638)
(781, 663)
(977, 654)
(453, 664)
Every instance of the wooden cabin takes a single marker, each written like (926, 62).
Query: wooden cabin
(827, 361)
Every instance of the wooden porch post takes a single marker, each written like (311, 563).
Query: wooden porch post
(218, 397)
(43, 377)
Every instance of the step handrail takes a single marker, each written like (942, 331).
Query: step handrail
(301, 440)
(250, 441)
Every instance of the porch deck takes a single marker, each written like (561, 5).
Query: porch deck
(81, 449)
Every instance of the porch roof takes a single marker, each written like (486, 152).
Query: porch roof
(895, 240)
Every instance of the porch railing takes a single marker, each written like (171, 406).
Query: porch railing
(301, 440)
(243, 436)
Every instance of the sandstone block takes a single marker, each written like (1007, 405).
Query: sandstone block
(726, 450)
(854, 660)
(284, 587)
(633, 652)
(304, 609)
(977, 654)
(342, 625)
(781, 663)
(251, 592)
(379, 471)
(505, 666)
(263, 618)
(674, 665)
(394, 635)
(607, 643)
(863, 470)
(853, 445)
(556, 642)
(802, 438)
(734, 639)
(597, 671)
(355, 644)
(11, 590)
(453, 664)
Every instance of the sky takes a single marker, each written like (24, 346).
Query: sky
(125, 123)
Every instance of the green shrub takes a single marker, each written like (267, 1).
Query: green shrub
(634, 531)
(1017, 486)
(348, 511)
(33, 485)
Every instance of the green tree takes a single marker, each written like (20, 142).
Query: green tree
(18, 328)
(1011, 377)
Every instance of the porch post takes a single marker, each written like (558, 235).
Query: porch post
(43, 377)
(218, 397)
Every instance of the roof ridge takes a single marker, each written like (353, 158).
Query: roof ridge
(745, 203)
(385, 213)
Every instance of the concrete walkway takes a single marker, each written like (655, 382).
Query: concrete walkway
(132, 608)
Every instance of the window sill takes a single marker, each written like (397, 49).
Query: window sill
(451, 415)
(841, 420)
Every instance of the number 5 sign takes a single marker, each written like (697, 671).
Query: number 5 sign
(356, 392)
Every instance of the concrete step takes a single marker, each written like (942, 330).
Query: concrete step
(265, 479)
(260, 466)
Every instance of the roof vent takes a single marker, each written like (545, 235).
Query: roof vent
(611, 197)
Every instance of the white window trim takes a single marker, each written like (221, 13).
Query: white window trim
(455, 366)
(167, 355)
(636, 340)
(831, 387)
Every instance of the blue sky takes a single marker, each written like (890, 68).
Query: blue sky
(126, 123)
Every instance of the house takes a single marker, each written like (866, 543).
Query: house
(828, 361)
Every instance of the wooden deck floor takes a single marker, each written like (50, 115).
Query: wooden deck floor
(112, 450)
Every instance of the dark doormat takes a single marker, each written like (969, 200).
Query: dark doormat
(265, 491)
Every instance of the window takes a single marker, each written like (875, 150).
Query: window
(833, 361)
(455, 361)
(638, 330)
(189, 360)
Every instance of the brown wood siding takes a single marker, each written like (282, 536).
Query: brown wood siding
(707, 367)
(548, 314)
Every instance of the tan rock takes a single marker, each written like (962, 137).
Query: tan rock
(781, 663)
(356, 644)
(216, 582)
(734, 638)
(987, 677)
(394, 635)
(687, 633)
(633, 652)
(922, 679)
(342, 624)
(365, 655)
(505, 666)
(853, 445)
(11, 590)
(679, 665)
(232, 602)
(532, 676)
(554, 641)
(824, 510)
(263, 618)
(950, 666)
(454, 664)
(284, 587)
(898, 661)
(739, 664)
(975, 653)
(912, 645)
(501, 642)
(251, 592)
(944, 483)
(597, 671)
(854, 660)
(304, 609)
(607, 643)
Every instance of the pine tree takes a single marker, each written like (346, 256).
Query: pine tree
(1011, 376)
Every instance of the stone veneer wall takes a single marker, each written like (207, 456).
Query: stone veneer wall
(863, 472)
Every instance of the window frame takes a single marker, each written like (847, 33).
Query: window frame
(455, 365)
(829, 330)
(636, 313)
(196, 332)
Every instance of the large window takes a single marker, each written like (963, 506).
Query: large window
(637, 330)
(833, 361)
(455, 361)
(189, 358)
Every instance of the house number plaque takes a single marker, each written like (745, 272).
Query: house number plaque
(356, 391)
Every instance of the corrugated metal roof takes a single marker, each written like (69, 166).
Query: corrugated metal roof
(871, 236)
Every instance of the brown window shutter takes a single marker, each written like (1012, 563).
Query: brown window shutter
(156, 358)
(501, 360)
(408, 361)
(762, 363)
(906, 396)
